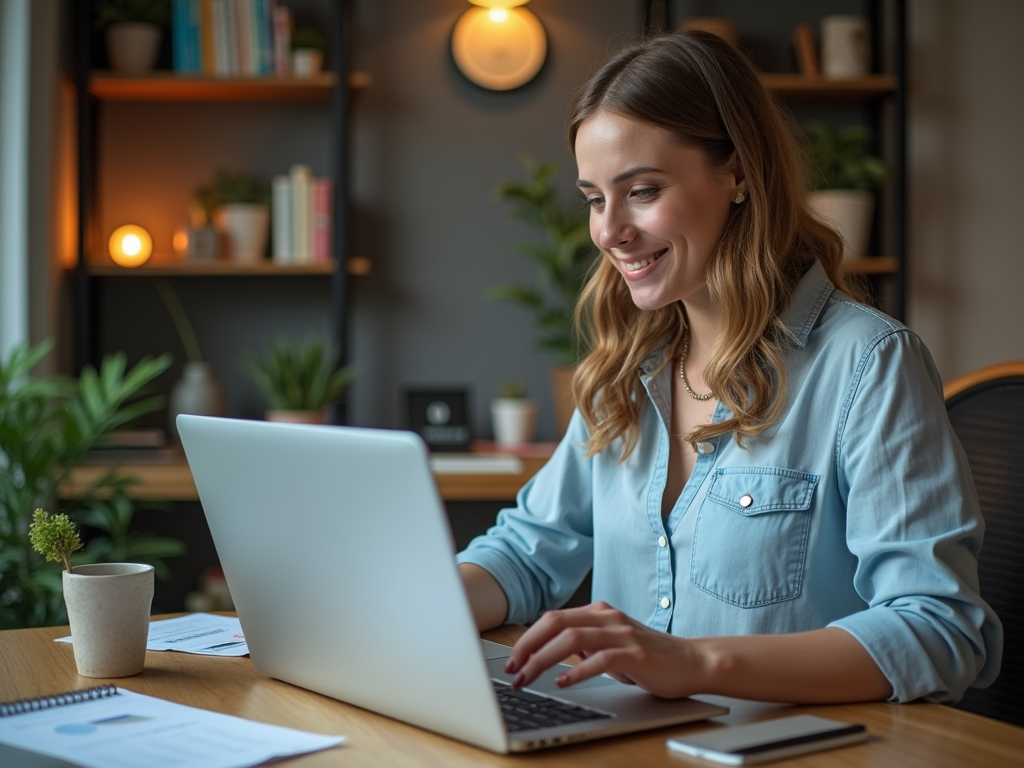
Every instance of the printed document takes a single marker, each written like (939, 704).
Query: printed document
(201, 633)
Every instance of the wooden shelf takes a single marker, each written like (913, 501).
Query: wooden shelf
(167, 86)
(358, 265)
(789, 86)
(871, 265)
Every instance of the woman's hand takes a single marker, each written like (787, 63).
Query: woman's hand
(608, 642)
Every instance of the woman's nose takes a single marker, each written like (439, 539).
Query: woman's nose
(611, 230)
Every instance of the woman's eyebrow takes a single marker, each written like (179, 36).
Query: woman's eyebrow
(622, 176)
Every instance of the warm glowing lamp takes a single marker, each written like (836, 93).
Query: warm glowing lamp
(498, 45)
(130, 245)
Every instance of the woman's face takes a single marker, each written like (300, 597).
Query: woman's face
(656, 209)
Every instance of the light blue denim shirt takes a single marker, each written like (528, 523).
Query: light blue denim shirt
(855, 510)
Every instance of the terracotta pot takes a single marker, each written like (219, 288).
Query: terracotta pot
(108, 609)
(297, 417)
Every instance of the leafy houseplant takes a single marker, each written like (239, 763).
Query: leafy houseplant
(307, 52)
(562, 256)
(842, 177)
(299, 380)
(109, 616)
(238, 204)
(133, 30)
(47, 425)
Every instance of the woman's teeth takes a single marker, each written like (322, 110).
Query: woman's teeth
(635, 266)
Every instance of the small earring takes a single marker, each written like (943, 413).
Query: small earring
(740, 197)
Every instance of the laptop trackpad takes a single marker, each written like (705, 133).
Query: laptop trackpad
(546, 682)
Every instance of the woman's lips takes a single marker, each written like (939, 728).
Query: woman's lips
(639, 267)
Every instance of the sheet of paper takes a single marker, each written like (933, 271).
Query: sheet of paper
(201, 633)
(129, 729)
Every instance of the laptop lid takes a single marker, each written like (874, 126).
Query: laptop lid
(339, 558)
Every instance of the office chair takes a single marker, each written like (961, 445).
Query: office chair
(986, 409)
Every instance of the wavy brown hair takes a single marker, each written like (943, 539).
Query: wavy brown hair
(709, 97)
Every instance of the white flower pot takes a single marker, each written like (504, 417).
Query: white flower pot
(198, 392)
(243, 228)
(849, 212)
(108, 609)
(306, 62)
(133, 47)
(513, 420)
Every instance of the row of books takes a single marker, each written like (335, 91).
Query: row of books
(231, 38)
(300, 217)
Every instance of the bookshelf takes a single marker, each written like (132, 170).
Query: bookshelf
(191, 98)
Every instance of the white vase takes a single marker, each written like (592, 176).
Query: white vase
(306, 62)
(108, 609)
(133, 47)
(849, 212)
(513, 420)
(243, 228)
(845, 47)
(198, 392)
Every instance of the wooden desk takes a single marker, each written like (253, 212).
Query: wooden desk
(902, 736)
(172, 481)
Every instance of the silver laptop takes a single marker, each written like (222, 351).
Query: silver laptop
(340, 560)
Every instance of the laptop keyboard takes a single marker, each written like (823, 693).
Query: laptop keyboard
(524, 711)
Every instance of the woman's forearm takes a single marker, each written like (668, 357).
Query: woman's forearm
(823, 666)
(486, 597)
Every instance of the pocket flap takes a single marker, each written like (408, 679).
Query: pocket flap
(757, 490)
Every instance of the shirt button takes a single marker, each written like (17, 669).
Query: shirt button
(746, 500)
(662, 541)
(705, 447)
(665, 602)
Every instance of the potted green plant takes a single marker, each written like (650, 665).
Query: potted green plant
(299, 380)
(133, 31)
(307, 52)
(238, 205)
(108, 604)
(513, 415)
(47, 426)
(563, 254)
(843, 178)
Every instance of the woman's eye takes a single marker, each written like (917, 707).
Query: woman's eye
(645, 192)
(593, 202)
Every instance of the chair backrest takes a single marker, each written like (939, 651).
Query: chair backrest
(986, 408)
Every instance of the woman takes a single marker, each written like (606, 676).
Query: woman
(760, 471)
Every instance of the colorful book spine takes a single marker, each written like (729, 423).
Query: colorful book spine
(322, 195)
(301, 214)
(206, 37)
(243, 37)
(281, 17)
(281, 219)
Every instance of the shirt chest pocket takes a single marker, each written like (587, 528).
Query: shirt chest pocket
(750, 540)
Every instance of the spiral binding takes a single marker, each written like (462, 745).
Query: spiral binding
(57, 700)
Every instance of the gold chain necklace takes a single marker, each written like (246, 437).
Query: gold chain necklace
(682, 373)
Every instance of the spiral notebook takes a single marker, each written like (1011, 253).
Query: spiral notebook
(111, 727)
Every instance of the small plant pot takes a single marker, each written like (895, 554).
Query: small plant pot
(514, 420)
(297, 417)
(108, 609)
(307, 62)
(849, 211)
(132, 47)
(243, 228)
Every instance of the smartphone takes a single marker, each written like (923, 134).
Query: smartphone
(769, 740)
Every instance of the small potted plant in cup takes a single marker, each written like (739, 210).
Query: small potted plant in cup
(307, 52)
(108, 603)
(133, 31)
(299, 380)
(238, 204)
(513, 415)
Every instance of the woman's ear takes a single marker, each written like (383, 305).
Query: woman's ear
(739, 179)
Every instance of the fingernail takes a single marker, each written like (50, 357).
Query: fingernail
(519, 680)
(562, 680)
(510, 665)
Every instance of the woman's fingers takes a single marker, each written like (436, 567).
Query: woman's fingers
(552, 623)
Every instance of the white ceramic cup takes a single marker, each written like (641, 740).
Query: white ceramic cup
(845, 47)
(108, 609)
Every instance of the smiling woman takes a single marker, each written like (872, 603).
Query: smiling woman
(760, 473)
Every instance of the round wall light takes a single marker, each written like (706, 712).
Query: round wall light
(130, 245)
(498, 45)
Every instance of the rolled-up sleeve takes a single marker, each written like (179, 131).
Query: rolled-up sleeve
(541, 550)
(915, 527)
